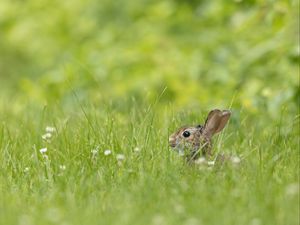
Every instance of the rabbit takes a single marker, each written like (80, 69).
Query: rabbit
(192, 141)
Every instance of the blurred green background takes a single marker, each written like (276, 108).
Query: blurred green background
(243, 53)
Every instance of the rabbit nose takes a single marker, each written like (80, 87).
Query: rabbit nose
(172, 142)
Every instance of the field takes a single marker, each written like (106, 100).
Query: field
(90, 92)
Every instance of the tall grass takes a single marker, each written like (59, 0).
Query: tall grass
(74, 182)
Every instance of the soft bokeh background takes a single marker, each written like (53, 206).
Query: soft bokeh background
(206, 53)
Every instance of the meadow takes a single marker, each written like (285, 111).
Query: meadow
(91, 90)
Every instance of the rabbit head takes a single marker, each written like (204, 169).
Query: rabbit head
(193, 140)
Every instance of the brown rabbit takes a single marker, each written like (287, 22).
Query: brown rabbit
(193, 140)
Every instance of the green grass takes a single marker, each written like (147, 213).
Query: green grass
(94, 70)
(153, 186)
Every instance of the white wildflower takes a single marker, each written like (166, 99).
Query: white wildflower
(200, 161)
(46, 136)
(26, 169)
(120, 157)
(235, 159)
(107, 152)
(62, 167)
(211, 163)
(50, 129)
(136, 149)
(43, 150)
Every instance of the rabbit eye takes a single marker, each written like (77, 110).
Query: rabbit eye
(186, 134)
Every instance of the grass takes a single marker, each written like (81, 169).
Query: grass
(92, 69)
(73, 185)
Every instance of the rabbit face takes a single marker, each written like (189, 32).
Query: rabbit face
(186, 138)
(196, 139)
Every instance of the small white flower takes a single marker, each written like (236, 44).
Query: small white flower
(62, 167)
(43, 150)
(26, 169)
(50, 129)
(46, 136)
(107, 152)
(200, 161)
(120, 157)
(211, 163)
(235, 160)
(136, 149)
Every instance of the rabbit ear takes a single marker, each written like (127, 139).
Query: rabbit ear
(216, 121)
(224, 119)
